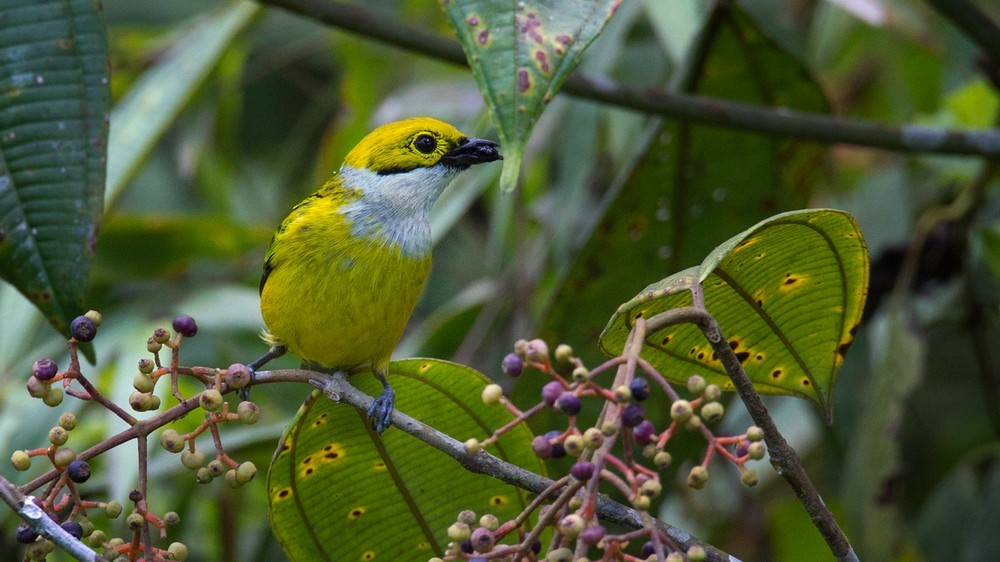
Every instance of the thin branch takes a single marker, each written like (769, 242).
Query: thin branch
(702, 109)
(337, 388)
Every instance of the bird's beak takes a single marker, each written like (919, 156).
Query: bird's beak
(472, 151)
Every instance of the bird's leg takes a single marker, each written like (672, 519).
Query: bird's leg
(380, 412)
(275, 352)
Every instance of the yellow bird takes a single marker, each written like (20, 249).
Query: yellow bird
(346, 266)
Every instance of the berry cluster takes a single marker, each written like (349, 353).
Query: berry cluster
(71, 468)
(626, 449)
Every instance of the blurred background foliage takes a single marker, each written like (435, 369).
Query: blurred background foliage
(226, 114)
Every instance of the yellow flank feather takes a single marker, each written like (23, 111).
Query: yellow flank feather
(346, 267)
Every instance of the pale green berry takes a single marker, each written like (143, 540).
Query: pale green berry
(171, 441)
(681, 411)
(143, 383)
(749, 478)
(593, 438)
(58, 436)
(203, 475)
(712, 393)
(192, 459)
(697, 553)
(54, 397)
(178, 551)
(473, 446)
(245, 472)
(571, 525)
(698, 477)
(21, 460)
(755, 433)
(581, 374)
(696, 384)
(756, 450)
(459, 531)
(113, 509)
(210, 400)
(248, 412)
(712, 412)
(231, 479)
(492, 393)
(490, 521)
(563, 353)
(67, 421)
(662, 459)
(641, 502)
(135, 521)
(63, 457)
(573, 444)
(693, 423)
(651, 488)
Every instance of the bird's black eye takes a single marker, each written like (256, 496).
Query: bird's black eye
(425, 144)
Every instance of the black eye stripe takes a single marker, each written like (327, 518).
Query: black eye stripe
(425, 143)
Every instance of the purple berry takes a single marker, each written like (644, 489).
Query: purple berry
(466, 546)
(647, 550)
(551, 392)
(73, 528)
(44, 369)
(582, 470)
(592, 535)
(541, 446)
(742, 448)
(82, 328)
(639, 388)
(632, 415)
(26, 533)
(568, 404)
(185, 326)
(536, 546)
(558, 451)
(512, 365)
(643, 433)
(78, 471)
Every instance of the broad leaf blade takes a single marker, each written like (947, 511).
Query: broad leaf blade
(520, 54)
(339, 493)
(53, 134)
(788, 294)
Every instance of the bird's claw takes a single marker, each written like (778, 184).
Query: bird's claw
(380, 412)
(245, 391)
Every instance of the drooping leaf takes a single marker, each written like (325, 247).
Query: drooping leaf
(338, 492)
(692, 185)
(53, 134)
(520, 54)
(788, 294)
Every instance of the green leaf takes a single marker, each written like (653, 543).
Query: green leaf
(152, 104)
(692, 185)
(53, 133)
(338, 492)
(520, 54)
(788, 294)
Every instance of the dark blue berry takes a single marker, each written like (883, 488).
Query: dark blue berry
(26, 533)
(558, 451)
(643, 433)
(466, 546)
(44, 369)
(82, 328)
(73, 528)
(536, 546)
(647, 550)
(639, 388)
(185, 326)
(78, 471)
(632, 415)
(512, 365)
(568, 404)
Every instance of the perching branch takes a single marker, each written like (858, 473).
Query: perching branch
(337, 388)
(43, 524)
(701, 109)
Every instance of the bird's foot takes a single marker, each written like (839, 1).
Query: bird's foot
(380, 412)
(273, 353)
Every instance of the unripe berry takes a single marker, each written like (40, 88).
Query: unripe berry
(641, 503)
(44, 369)
(537, 351)
(651, 488)
(63, 457)
(712, 412)
(58, 436)
(482, 540)
(245, 472)
(693, 423)
(560, 555)
(662, 459)
(520, 346)
(210, 400)
(491, 393)
(73, 528)
(574, 503)
(712, 393)
(582, 470)
(681, 411)
(551, 392)
(139, 401)
(178, 551)
(639, 388)
(697, 477)
(192, 459)
(37, 388)
(95, 317)
(593, 438)
(466, 516)
(573, 445)
(563, 353)
(171, 441)
(473, 446)
(608, 428)
(216, 467)
(143, 383)
(571, 525)
(568, 404)
(231, 480)
(675, 557)
(649, 450)
(161, 335)
(237, 375)
(632, 415)
(97, 538)
(153, 346)
(146, 366)
(54, 397)
(171, 518)
(248, 412)
(643, 433)
(490, 521)
(78, 471)
(67, 421)
(134, 521)
(696, 384)
(749, 478)
(185, 326)
(512, 365)
(541, 446)
(203, 475)
(622, 393)
(154, 402)
(697, 553)
(113, 509)
(21, 460)
(755, 433)
(581, 374)
(756, 450)
(459, 531)
(82, 328)
(592, 535)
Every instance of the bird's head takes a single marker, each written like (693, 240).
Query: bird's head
(420, 142)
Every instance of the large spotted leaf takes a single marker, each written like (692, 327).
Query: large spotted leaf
(337, 492)
(520, 53)
(788, 294)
